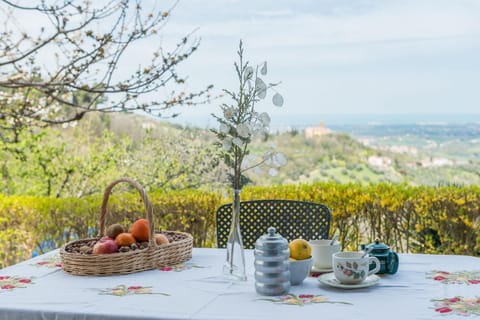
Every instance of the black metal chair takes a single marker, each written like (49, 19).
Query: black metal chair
(292, 219)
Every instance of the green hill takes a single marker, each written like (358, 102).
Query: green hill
(81, 160)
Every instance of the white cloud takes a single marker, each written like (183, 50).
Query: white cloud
(413, 20)
(327, 33)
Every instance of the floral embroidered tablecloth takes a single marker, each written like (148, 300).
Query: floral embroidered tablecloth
(52, 261)
(458, 306)
(123, 290)
(425, 287)
(14, 282)
(301, 299)
(456, 277)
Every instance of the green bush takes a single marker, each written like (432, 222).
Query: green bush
(410, 219)
(27, 221)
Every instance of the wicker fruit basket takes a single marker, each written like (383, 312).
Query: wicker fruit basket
(153, 256)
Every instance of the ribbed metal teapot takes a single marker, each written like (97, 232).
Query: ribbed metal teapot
(272, 272)
(388, 259)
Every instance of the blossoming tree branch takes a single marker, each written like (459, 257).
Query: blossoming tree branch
(77, 58)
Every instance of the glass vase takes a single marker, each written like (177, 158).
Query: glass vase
(234, 266)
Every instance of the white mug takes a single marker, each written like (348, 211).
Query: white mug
(351, 268)
(322, 253)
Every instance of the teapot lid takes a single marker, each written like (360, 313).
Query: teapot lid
(378, 246)
(271, 240)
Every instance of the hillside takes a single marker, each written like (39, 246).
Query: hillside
(81, 160)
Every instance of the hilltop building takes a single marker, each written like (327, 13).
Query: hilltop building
(311, 132)
(381, 162)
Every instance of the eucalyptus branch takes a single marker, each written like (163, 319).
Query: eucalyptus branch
(255, 165)
(241, 122)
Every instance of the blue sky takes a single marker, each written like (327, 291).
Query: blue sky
(341, 56)
(332, 56)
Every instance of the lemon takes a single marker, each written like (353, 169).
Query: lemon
(300, 249)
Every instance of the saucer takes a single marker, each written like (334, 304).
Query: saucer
(321, 270)
(330, 280)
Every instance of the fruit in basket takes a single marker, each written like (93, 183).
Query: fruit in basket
(114, 230)
(125, 239)
(85, 249)
(104, 238)
(161, 239)
(140, 230)
(300, 249)
(104, 246)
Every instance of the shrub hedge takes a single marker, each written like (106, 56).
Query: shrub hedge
(410, 219)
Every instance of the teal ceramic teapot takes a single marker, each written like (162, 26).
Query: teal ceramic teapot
(388, 259)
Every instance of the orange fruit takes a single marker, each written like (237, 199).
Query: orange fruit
(125, 239)
(161, 239)
(140, 230)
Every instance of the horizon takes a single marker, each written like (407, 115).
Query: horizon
(286, 121)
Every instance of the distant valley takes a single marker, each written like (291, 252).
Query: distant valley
(420, 154)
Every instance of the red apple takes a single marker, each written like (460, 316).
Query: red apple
(105, 238)
(105, 246)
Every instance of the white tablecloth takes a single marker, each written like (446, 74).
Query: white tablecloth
(196, 291)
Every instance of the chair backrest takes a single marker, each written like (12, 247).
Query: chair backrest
(292, 219)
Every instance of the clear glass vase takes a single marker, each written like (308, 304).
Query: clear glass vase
(235, 264)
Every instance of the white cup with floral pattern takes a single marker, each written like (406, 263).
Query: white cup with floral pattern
(351, 268)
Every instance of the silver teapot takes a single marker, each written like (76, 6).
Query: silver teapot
(272, 272)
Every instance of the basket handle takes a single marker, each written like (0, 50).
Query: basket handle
(143, 194)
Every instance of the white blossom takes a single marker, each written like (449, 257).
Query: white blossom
(224, 128)
(273, 172)
(248, 73)
(264, 118)
(277, 99)
(243, 130)
(228, 113)
(227, 144)
(263, 71)
(261, 88)
(238, 142)
(257, 128)
(245, 164)
(280, 159)
(268, 158)
(72, 124)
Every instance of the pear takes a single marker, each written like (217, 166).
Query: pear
(114, 230)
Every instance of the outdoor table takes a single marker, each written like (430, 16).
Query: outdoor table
(425, 287)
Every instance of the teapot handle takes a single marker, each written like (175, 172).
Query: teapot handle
(393, 267)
